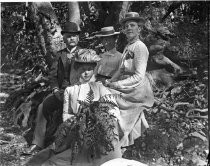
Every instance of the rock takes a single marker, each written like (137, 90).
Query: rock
(4, 95)
(200, 162)
(123, 162)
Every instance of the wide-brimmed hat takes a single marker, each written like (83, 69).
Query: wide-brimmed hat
(132, 16)
(71, 27)
(87, 56)
(107, 31)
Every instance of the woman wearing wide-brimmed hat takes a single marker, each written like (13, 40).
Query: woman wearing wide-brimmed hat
(110, 60)
(131, 82)
(85, 63)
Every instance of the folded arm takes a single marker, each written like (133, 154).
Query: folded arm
(141, 55)
(66, 104)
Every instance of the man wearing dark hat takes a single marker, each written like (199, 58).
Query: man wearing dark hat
(62, 75)
(111, 58)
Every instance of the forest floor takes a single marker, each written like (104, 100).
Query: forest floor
(172, 139)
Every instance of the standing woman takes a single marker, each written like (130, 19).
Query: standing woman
(130, 82)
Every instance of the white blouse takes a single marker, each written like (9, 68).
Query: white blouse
(132, 70)
(79, 92)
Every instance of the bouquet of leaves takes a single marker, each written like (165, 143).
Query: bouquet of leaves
(92, 128)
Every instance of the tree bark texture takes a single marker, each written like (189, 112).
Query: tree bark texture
(124, 9)
(74, 12)
(48, 28)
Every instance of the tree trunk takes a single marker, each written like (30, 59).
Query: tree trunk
(48, 28)
(124, 9)
(122, 41)
(74, 12)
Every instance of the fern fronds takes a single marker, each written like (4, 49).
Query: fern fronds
(94, 127)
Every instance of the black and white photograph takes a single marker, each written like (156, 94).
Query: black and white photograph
(104, 83)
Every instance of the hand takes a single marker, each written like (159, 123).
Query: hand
(113, 85)
(68, 117)
(57, 94)
(107, 82)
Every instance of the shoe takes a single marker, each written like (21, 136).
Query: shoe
(34, 149)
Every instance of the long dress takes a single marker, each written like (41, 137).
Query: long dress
(133, 90)
(71, 106)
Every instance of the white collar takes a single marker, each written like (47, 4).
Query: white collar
(72, 50)
(93, 79)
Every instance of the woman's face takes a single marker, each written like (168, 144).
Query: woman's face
(131, 30)
(108, 42)
(86, 71)
(71, 39)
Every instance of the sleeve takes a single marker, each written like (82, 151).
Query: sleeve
(66, 104)
(96, 70)
(74, 74)
(141, 55)
(104, 92)
(118, 72)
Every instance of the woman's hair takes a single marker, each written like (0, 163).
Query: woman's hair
(77, 65)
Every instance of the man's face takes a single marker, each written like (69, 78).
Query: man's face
(86, 71)
(108, 41)
(71, 39)
(131, 29)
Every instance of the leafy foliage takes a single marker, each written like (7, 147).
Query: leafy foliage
(20, 47)
(93, 128)
(173, 135)
(186, 45)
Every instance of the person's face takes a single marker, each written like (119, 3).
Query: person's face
(131, 30)
(71, 39)
(108, 42)
(86, 71)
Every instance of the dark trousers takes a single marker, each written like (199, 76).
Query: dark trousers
(49, 115)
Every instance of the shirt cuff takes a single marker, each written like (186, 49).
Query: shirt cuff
(118, 84)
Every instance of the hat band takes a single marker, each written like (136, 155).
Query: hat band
(107, 32)
(130, 15)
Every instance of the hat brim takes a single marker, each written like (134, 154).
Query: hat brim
(82, 62)
(100, 35)
(137, 19)
(77, 32)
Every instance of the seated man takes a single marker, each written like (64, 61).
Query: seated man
(85, 64)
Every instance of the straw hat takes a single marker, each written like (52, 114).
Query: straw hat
(107, 31)
(87, 56)
(132, 16)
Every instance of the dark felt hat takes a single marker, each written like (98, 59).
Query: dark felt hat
(107, 31)
(132, 16)
(71, 27)
(87, 56)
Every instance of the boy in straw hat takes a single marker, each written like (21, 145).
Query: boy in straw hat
(110, 60)
(85, 63)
